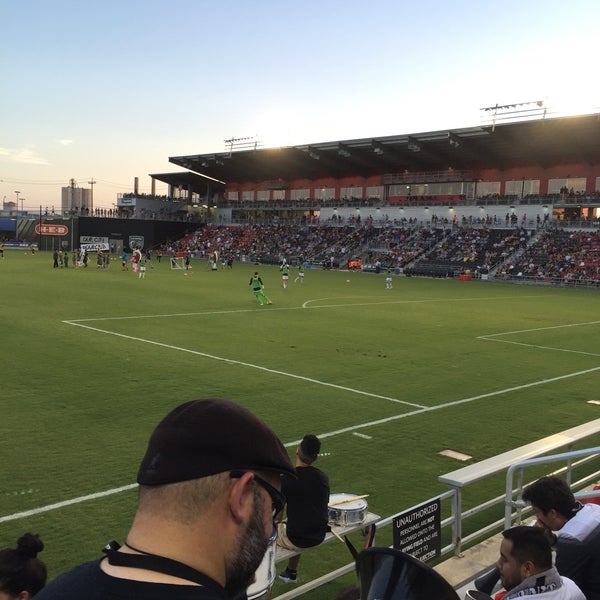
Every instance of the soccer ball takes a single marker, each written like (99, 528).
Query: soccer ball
(347, 281)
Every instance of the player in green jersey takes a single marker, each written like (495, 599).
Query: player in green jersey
(259, 289)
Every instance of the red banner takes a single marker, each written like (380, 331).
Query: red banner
(49, 229)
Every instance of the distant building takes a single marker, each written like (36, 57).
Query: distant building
(76, 199)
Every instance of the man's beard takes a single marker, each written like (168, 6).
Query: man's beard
(251, 548)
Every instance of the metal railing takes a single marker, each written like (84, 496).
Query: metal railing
(513, 510)
(516, 507)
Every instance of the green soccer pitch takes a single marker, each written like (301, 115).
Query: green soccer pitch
(94, 358)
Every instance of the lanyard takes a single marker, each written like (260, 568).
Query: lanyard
(160, 564)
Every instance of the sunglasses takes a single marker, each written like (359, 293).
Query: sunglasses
(277, 498)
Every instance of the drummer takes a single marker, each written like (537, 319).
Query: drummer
(307, 499)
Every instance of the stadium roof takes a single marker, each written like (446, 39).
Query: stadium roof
(541, 143)
(198, 184)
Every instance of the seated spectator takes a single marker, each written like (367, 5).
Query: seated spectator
(22, 574)
(578, 527)
(208, 493)
(307, 500)
(525, 566)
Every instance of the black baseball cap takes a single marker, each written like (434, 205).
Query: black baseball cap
(209, 436)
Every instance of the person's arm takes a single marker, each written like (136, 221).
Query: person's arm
(571, 558)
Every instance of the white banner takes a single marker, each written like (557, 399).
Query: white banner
(92, 239)
(91, 243)
(93, 247)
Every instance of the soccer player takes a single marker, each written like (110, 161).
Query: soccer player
(285, 273)
(300, 277)
(142, 274)
(259, 289)
(388, 280)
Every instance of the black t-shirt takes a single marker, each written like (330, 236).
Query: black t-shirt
(307, 499)
(89, 581)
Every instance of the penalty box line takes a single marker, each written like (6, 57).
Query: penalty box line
(492, 338)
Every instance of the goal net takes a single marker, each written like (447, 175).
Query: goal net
(178, 262)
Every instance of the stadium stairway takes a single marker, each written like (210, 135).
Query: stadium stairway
(519, 252)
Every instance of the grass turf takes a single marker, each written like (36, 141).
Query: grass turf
(93, 359)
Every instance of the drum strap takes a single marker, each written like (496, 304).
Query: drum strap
(160, 564)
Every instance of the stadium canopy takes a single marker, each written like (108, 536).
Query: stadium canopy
(541, 142)
(185, 180)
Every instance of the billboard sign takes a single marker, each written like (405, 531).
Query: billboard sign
(51, 229)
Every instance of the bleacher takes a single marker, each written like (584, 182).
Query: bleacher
(554, 256)
(467, 249)
(560, 256)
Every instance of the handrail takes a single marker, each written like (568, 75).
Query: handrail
(496, 464)
(458, 514)
(460, 478)
(591, 453)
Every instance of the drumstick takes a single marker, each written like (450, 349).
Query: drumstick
(338, 536)
(351, 499)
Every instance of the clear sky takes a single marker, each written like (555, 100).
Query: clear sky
(109, 90)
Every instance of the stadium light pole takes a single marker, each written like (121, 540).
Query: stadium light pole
(17, 192)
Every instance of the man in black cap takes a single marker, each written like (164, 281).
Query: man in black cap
(209, 491)
(307, 497)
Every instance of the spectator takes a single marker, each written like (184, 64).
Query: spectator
(208, 492)
(525, 566)
(22, 574)
(307, 513)
(578, 527)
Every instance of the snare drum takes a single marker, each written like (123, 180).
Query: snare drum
(265, 574)
(349, 512)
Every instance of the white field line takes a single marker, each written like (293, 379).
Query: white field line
(421, 409)
(42, 509)
(245, 364)
(492, 338)
(491, 335)
(303, 306)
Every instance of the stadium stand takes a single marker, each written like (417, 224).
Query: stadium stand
(513, 254)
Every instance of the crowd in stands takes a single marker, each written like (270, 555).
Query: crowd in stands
(164, 214)
(447, 250)
(268, 243)
(567, 256)
(474, 250)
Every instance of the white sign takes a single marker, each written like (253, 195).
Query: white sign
(93, 247)
(92, 239)
(91, 243)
